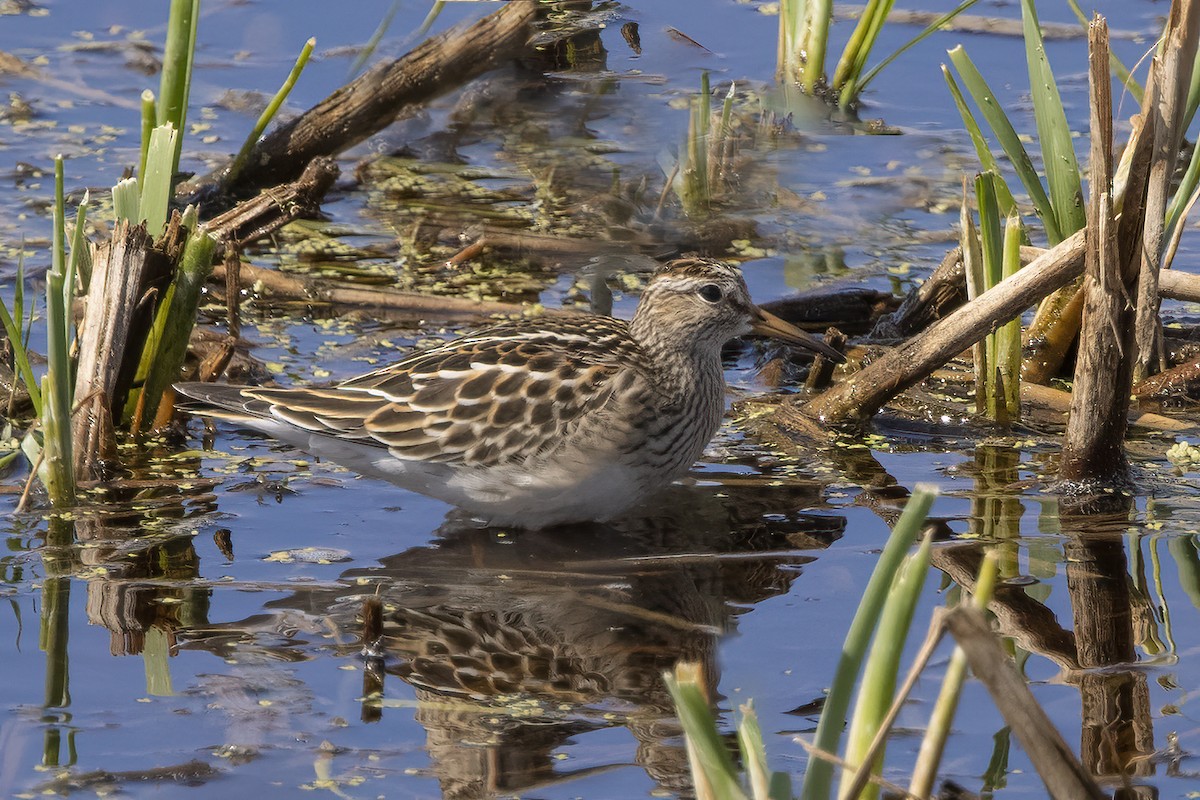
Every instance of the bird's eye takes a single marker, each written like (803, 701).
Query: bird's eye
(711, 292)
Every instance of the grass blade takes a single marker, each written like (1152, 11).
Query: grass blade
(13, 330)
(934, 742)
(149, 120)
(883, 665)
(156, 183)
(1009, 141)
(1058, 151)
(1008, 335)
(175, 83)
(373, 43)
(819, 774)
(854, 56)
(703, 741)
(932, 28)
(270, 111)
(58, 466)
(1003, 194)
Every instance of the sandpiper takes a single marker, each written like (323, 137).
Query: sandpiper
(539, 422)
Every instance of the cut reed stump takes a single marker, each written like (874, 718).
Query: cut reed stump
(1093, 446)
(373, 100)
(1164, 107)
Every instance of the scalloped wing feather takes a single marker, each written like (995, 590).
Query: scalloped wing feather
(484, 400)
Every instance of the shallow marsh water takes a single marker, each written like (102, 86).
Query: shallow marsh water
(214, 646)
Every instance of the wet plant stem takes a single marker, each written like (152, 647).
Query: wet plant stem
(934, 743)
(819, 774)
(264, 119)
(58, 468)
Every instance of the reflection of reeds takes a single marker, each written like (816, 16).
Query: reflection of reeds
(704, 160)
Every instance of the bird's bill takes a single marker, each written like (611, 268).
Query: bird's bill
(764, 323)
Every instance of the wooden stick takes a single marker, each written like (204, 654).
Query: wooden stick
(863, 394)
(1172, 76)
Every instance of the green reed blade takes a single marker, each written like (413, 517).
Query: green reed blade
(1003, 194)
(819, 774)
(1058, 150)
(704, 742)
(155, 199)
(934, 743)
(264, 119)
(149, 120)
(373, 43)
(176, 80)
(870, 22)
(1008, 335)
(1009, 141)
(930, 29)
(883, 664)
(177, 315)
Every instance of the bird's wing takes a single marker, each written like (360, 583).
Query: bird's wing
(481, 400)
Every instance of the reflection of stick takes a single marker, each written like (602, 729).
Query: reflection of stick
(277, 286)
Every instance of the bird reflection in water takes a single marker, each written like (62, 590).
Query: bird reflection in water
(516, 642)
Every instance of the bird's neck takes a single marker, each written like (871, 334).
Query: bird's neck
(681, 363)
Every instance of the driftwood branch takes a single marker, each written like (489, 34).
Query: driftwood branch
(373, 100)
(273, 208)
(864, 393)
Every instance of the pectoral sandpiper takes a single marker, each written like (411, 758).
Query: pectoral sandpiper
(536, 422)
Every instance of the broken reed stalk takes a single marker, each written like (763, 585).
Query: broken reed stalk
(1053, 758)
(117, 313)
(1173, 68)
(1093, 445)
(864, 393)
(372, 101)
